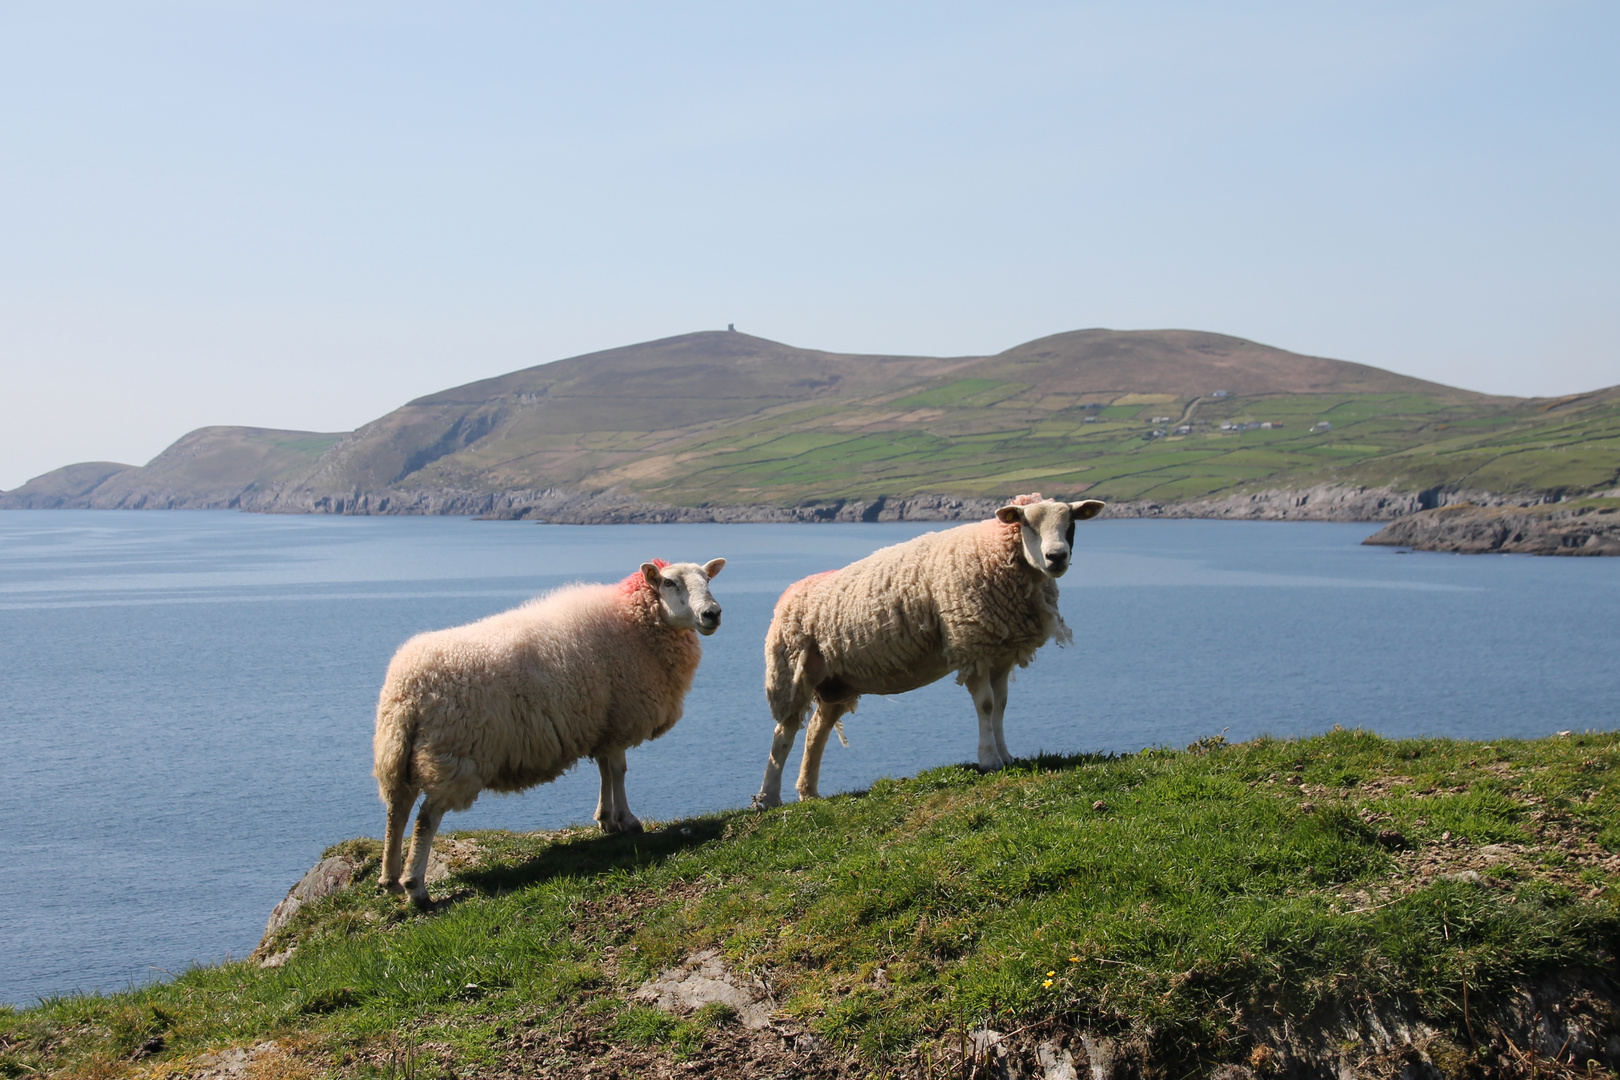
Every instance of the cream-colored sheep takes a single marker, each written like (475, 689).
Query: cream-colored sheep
(977, 600)
(516, 699)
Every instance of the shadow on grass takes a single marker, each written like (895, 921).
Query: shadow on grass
(590, 856)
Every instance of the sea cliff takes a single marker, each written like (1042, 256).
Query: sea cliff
(1583, 527)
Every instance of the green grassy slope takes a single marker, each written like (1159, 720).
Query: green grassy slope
(968, 438)
(719, 418)
(1184, 900)
(729, 419)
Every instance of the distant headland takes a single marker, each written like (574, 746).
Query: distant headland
(725, 426)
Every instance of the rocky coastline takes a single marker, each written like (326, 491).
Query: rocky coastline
(1435, 519)
(1586, 527)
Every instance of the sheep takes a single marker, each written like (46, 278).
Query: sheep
(516, 699)
(975, 600)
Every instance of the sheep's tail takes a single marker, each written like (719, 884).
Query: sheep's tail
(782, 678)
(391, 748)
(787, 689)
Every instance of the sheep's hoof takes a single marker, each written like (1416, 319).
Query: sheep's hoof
(390, 885)
(422, 901)
(763, 801)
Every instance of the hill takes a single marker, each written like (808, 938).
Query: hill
(212, 466)
(730, 426)
(1337, 906)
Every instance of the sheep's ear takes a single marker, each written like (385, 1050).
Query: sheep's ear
(1009, 515)
(1088, 508)
(651, 573)
(714, 566)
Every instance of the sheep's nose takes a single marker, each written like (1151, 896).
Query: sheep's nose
(710, 616)
(1058, 560)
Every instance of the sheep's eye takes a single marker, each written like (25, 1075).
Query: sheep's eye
(669, 584)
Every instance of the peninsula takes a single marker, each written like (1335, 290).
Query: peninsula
(725, 426)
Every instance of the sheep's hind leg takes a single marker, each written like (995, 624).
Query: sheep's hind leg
(998, 687)
(427, 824)
(399, 815)
(613, 807)
(826, 717)
(984, 700)
(770, 789)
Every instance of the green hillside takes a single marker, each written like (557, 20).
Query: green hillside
(1271, 906)
(728, 419)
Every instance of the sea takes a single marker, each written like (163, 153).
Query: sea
(187, 702)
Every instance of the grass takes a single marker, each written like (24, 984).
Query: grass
(983, 432)
(1162, 895)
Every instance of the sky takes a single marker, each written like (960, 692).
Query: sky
(302, 215)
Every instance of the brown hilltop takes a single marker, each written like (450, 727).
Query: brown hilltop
(720, 418)
(552, 424)
(1189, 363)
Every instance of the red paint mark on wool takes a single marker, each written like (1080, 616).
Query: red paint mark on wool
(1027, 500)
(638, 581)
(801, 583)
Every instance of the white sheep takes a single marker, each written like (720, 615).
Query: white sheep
(976, 600)
(516, 699)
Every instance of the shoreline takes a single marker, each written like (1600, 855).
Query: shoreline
(1322, 502)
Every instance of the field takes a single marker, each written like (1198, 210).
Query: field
(968, 439)
(1224, 905)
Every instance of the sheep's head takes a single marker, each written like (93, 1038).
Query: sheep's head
(1046, 530)
(684, 600)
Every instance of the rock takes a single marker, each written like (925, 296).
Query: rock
(702, 980)
(1464, 877)
(1588, 527)
(1056, 1063)
(324, 878)
(448, 856)
(238, 1061)
(1100, 1056)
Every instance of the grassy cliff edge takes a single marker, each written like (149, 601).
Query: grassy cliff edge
(1278, 907)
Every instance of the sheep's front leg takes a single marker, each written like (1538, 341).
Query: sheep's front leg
(770, 789)
(613, 807)
(984, 700)
(998, 687)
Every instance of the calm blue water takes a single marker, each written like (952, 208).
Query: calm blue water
(188, 695)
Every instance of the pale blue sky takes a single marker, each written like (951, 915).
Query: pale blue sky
(303, 214)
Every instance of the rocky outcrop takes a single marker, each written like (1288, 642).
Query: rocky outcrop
(562, 507)
(1587, 527)
(336, 872)
(703, 979)
(1324, 502)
